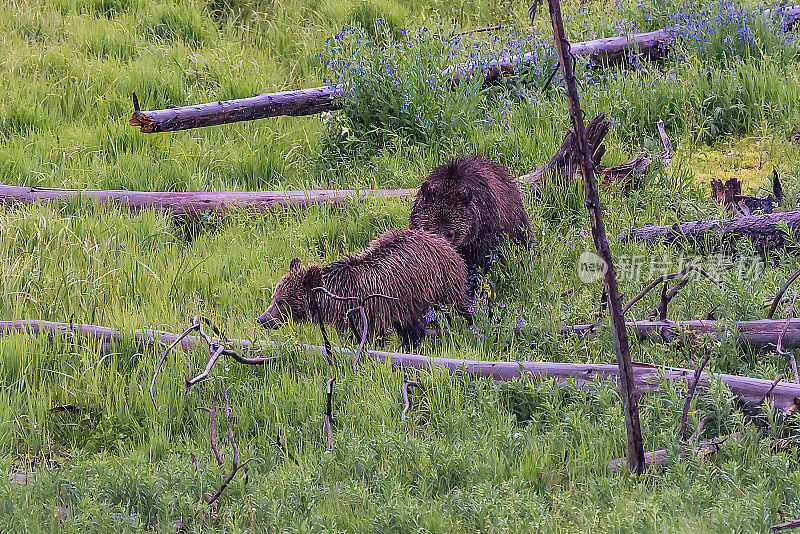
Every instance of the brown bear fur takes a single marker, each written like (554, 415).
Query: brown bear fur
(419, 268)
(473, 202)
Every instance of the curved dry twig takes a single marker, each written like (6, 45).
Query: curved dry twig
(780, 293)
(329, 412)
(212, 415)
(235, 466)
(779, 348)
(406, 400)
(214, 357)
(690, 394)
(364, 331)
(774, 383)
(320, 289)
(664, 278)
(164, 357)
(361, 301)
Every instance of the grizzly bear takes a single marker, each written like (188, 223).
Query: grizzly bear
(419, 268)
(472, 202)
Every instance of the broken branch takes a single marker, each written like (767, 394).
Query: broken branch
(329, 412)
(779, 349)
(781, 291)
(663, 278)
(690, 394)
(235, 466)
(406, 398)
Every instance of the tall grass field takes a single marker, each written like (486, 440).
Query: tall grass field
(472, 455)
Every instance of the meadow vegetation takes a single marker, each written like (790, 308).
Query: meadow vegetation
(473, 455)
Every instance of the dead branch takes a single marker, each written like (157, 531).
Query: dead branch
(479, 30)
(629, 174)
(663, 278)
(788, 354)
(365, 328)
(172, 345)
(199, 473)
(406, 398)
(786, 526)
(361, 301)
(690, 394)
(781, 291)
(666, 298)
(765, 231)
(235, 466)
(212, 415)
(217, 349)
(700, 426)
(627, 385)
(285, 451)
(329, 412)
(770, 390)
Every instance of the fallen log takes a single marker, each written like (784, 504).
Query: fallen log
(759, 334)
(193, 203)
(763, 230)
(748, 390)
(319, 99)
(602, 52)
(293, 103)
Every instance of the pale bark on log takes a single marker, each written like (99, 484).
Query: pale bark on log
(319, 99)
(293, 103)
(193, 203)
(763, 230)
(647, 377)
(602, 52)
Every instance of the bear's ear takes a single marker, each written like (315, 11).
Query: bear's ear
(313, 277)
(295, 265)
(429, 189)
(463, 195)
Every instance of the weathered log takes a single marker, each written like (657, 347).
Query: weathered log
(292, 103)
(757, 335)
(193, 203)
(748, 390)
(319, 99)
(602, 52)
(764, 231)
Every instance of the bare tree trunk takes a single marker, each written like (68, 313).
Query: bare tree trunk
(627, 384)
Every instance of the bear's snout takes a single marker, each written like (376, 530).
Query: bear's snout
(267, 321)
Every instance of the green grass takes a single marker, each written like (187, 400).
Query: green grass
(473, 455)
